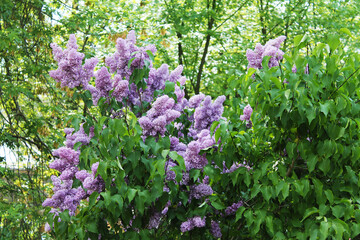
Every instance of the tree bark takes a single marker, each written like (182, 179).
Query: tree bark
(207, 43)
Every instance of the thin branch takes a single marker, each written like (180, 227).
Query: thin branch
(233, 14)
(347, 79)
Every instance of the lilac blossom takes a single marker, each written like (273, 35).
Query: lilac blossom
(191, 223)
(92, 182)
(208, 112)
(71, 72)
(246, 113)
(215, 229)
(160, 115)
(65, 197)
(196, 100)
(121, 88)
(79, 136)
(201, 190)
(192, 157)
(271, 48)
(233, 208)
(47, 227)
(103, 81)
(154, 220)
(158, 77)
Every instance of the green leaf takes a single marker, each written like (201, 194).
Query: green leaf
(239, 213)
(311, 162)
(255, 190)
(217, 134)
(311, 114)
(164, 153)
(213, 126)
(107, 198)
(269, 224)
(337, 224)
(266, 192)
(102, 168)
(325, 165)
(324, 229)
(324, 108)
(285, 190)
(91, 226)
(335, 132)
(169, 87)
(276, 81)
(346, 31)
(140, 204)
(130, 61)
(131, 194)
(151, 55)
(309, 212)
(77, 145)
(301, 40)
(218, 205)
(117, 199)
(329, 196)
(338, 211)
(179, 159)
(333, 42)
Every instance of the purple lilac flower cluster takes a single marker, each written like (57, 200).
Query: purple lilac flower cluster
(127, 50)
(160, 115)
(233, 208)
(215, 229)
(90, 182)
(271, 48)
(246, 116)
(71, 72)
(201, 190)
(206, 111)
(155, 219)
(67, 159)
(65, 197)
(191, 223)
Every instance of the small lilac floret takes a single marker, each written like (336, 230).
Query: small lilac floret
(233, 208)
(201, 190)
(246, 113)
(271, 48)
(215, 229)
(191, 223)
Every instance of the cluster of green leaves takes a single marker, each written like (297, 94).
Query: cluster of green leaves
(303, 147)
(21, 212)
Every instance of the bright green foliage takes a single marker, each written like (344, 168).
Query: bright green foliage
(31, 109)
(303, 147)
(297, 189)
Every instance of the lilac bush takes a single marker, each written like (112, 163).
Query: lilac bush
(144, 127)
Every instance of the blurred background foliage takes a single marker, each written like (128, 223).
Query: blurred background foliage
(208, 37)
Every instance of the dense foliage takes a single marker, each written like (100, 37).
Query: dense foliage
(276, 157)
(164, 167)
